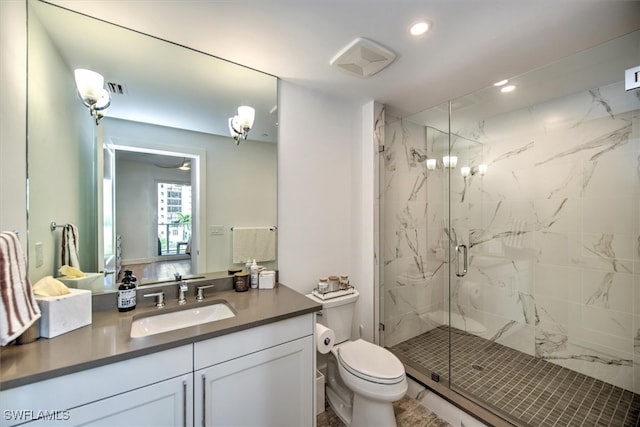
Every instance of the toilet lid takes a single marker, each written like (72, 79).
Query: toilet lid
(370, 362)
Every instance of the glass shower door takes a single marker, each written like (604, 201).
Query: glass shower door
(546, 198)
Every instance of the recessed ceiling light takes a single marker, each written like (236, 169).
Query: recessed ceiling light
(501, 83)
(509, 88)
(419, 28)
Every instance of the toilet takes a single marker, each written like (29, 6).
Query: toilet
(363, 379)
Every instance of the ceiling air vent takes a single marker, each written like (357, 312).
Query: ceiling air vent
(363, 58)
(116, 88)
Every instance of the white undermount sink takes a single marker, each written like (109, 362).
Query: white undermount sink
(165, 322)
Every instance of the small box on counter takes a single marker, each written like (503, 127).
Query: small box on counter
(267, 279)
(64, 313)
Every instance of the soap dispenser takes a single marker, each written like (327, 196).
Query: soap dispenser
(254, 275)
(127, 292)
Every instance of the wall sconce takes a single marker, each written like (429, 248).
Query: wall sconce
(482, 169)
(431, 164)
(185, 166)
(450, 161)
(240, 125)
(92, 92)
(465, 171)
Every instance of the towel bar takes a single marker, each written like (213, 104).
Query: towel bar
(54, 226)
(272, 228)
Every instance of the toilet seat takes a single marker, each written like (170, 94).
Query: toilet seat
(370, 362)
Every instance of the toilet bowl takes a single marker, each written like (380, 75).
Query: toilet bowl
(363, 379)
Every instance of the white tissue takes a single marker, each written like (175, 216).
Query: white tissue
(325, 338)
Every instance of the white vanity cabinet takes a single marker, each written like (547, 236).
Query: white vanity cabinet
(259, 377)
(262, 376)
(151, 390)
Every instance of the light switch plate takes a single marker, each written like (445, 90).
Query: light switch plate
(216, 230)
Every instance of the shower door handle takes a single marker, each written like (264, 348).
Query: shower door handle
(459, 249)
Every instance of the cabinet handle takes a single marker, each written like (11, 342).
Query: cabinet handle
(204, 401)
(184, 403)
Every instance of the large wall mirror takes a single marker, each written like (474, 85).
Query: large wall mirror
(159, 184)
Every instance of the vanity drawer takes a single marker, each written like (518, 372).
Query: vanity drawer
(227, 347)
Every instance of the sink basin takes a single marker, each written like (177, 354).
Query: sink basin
(192, 316)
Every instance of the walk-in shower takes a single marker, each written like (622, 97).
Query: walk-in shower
(510, 243)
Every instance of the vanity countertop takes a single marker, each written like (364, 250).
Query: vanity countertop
(107, 339)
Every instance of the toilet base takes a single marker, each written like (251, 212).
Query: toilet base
(341, 408)
(367, 412)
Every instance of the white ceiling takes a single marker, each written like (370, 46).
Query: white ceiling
(472, 44)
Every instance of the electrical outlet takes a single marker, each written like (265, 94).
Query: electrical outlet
(39, 255)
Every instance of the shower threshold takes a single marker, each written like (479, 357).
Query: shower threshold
(520, 389)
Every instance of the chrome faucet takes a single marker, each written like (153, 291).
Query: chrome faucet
(200, 295)
(182, 292)
(159, 298)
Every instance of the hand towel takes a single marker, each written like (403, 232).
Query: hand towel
(70, 244)
(257, 243)
(18, 306)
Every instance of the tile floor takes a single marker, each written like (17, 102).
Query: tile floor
(409, 413)
(529, 389)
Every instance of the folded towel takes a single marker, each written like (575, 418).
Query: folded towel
(257, 243)
(70, 244)
(18, 306)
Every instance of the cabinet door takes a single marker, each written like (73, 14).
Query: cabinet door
(167, 403)
(272, 387)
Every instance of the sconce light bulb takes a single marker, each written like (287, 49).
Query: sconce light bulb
(450, 161)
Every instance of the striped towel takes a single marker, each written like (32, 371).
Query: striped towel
(18, 306)
(70, 246)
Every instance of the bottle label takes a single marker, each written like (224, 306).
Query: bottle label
(126, 298)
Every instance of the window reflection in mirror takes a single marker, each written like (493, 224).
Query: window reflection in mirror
(174, 100)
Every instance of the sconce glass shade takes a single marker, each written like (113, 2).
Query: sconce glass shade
(240, 125)
(246, 116)
(431, 164)
(465, 171)
(90, 85)
(450, 161)
(482, 169)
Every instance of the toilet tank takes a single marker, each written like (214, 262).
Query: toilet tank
(337, 314)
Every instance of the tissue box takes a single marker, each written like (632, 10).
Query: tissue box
(64, 313)
(266, 279)
(92, 281)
